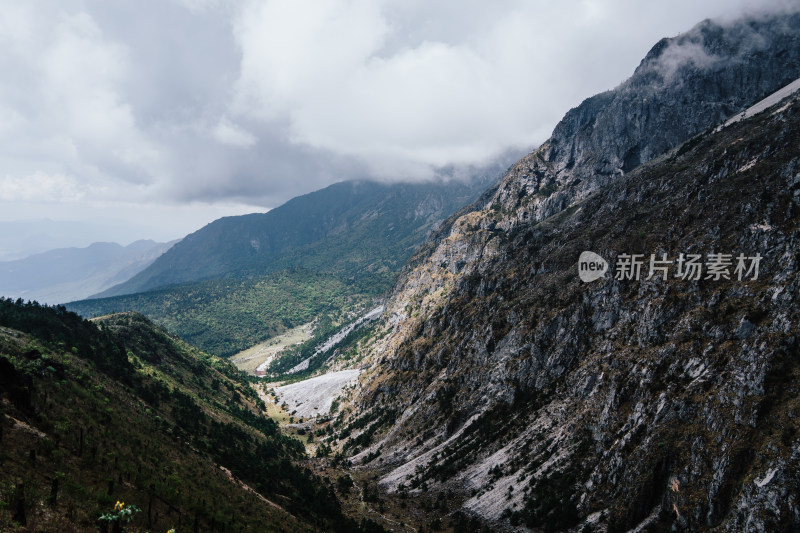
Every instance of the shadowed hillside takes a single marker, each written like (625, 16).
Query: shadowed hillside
(118, 410)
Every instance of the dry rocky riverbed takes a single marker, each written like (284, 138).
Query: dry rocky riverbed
(314, 397)
(302, 410)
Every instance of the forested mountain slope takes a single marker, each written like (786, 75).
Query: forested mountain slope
(349, 229)
(119, 411)
(241, 280)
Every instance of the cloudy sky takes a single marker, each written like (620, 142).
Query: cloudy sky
(150, 118)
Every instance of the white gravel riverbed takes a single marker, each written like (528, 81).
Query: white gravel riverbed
(314, 396)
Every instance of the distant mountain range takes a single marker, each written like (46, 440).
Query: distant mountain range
(241, 280)
(349, 229)
(22, 238)
(68, 274)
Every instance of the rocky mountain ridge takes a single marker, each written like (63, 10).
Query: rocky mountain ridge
(682, 87)
(548, 403)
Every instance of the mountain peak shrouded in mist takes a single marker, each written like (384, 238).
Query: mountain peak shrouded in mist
(684, 85)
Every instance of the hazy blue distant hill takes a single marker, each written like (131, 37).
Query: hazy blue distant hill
(23, 238)
(72, 273)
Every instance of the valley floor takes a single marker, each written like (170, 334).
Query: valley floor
(295, 407)
(258, 357)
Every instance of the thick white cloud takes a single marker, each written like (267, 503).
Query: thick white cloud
(292, 51)
(220, 102)
(229, 133)
(68, 137)
(409, 85)
(82, 94)
(41, 187)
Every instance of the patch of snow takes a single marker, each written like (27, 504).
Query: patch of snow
(750, 164)
(694, 367)
(776, 292)
(760, 227)
(662, 401)
(652, 517)
(594, 518)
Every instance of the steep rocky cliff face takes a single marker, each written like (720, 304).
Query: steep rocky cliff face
(683, 86)
(550, 403)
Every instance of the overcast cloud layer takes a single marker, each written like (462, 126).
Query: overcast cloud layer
(166, 114)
